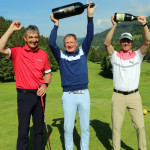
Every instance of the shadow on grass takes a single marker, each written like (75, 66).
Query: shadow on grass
(45, 139)
(106, 74)
(59, 123)
(104, 134)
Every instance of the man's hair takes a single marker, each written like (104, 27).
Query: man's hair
(32, 29)
(70, 34)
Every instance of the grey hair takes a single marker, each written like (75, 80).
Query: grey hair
(32, 29)
(70, 34)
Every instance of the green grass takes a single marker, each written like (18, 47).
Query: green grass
(101, 90)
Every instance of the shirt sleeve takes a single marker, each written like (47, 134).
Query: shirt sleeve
(112, 58)
(47, 66)
(9, 53)
(13, 52)
(89, 37)
(138, 52)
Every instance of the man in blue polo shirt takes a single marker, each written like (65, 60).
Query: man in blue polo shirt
(74, 79)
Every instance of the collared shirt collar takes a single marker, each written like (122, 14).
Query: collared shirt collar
(125, 53)
(26, 47)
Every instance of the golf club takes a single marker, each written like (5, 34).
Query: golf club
(42, 102)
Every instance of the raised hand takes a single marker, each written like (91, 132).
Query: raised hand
(56, 22)
(90, 10)
(142, 19)
(16, 26)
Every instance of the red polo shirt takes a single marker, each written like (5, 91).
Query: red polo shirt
(29, 66)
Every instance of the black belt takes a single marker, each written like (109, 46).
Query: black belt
(34, 91)
(125, 92)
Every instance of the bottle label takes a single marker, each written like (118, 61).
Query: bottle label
(132, 18)
(120, 17)
(68, 10)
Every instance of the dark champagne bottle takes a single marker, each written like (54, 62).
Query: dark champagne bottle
(70, 10)
(124, 17)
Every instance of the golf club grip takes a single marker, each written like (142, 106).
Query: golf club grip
(42, 101)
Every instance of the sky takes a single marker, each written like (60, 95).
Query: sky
(37, 12)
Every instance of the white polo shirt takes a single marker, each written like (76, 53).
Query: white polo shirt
(126, 69)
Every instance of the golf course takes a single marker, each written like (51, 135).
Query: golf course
(101, 89)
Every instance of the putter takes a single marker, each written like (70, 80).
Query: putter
(45, 120)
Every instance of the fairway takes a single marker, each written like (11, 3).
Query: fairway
(100, 89)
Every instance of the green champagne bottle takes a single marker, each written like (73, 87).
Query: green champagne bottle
(70, 10)
(121, 17)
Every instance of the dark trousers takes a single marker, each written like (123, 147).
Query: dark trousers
(30, 104)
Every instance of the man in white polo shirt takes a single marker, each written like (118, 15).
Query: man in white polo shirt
(126, 74)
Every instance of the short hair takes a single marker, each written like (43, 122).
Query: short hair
(32, 29)
(70, 34)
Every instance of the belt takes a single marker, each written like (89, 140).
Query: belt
(125, 92)
(34, 91)
(78, 91)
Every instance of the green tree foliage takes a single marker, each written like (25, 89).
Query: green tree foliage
(6, 70)
(6, 67)
(95, 56)
(106, 67)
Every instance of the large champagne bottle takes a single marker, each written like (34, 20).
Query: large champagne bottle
(70, 10)
(124, 17)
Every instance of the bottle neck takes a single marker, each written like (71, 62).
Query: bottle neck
(91, 5)
(85, 6)
(135, 17)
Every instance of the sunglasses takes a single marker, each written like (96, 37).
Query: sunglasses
(125, 40)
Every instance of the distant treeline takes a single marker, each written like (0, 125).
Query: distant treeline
(97, 52)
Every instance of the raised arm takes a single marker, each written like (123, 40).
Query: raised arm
(15, 26)
(53, 36)
(145, 46)
(107, 42)
(90, 29)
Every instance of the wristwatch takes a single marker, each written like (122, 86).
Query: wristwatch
(46, 84)
(144, 24)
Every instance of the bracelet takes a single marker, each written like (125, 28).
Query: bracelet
(143, 25)
(46, 84)
(108, 44)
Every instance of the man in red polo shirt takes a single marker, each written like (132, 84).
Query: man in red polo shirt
(30, 64)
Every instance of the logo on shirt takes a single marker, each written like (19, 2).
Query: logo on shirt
(131, 62)
(38, 60)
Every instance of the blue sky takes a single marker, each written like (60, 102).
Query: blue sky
(37, 12)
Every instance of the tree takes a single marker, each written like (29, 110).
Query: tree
(6, 70)
(106, 67)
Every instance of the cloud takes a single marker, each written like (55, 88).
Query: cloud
(139, 7)
(103, 24)
(142, 10)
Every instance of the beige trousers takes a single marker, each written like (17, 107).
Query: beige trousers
(134, 105)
